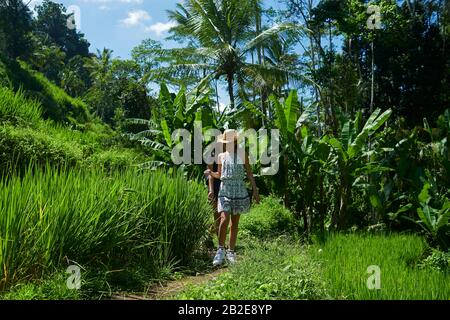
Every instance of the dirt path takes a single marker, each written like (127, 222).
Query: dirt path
(168, 289)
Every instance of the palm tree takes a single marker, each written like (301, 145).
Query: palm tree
(100, 64)
(221, 39)
(99, 67)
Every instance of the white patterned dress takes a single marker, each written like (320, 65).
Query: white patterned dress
(233, 195)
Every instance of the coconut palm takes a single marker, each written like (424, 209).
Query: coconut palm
(99, 96)
(221, 39)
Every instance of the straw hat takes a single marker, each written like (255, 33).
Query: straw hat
(229, 136)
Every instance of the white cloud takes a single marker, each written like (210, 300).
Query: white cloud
(132, 1)
(160, 27)
(106, 4)
(136, 18)
(112, 1)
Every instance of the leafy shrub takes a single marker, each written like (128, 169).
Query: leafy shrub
(434, 220)
(15, 107)
(268, 219)
(270, 270)
(437, 260)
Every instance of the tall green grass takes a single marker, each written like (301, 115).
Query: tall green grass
(59, 145)
(118, 220)
(15, 107)
(25, 137)
(22, 146)
(345, 259)
(58, 105)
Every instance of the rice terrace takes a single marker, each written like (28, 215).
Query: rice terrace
(225, 150)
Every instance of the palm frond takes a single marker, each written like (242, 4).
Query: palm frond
(155, 145)
(273, 31)
(142, 134)
(201, 21)
(138, 121)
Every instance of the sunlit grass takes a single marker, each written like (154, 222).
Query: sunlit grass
(119, 220)
(15, 107)
(267, 270)
(346, 258)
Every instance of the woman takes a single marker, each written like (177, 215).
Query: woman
(213, 192)
(233, 199)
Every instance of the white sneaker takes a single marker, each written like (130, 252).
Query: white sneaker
(219, 258)
(231, 257)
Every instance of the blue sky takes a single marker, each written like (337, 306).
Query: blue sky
(120, 25)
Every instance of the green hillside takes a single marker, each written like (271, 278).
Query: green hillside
(56, 104)
(41, 123)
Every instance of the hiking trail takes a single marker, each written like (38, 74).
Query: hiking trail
(168, 289)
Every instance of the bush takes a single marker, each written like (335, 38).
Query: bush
(437, 260)
(4, 80)
(268, 219)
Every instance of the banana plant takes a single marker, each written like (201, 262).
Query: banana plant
(304, 162)
(435, 222)
(349, 149)
(287, 114)
(179, 111)
(312, 170)
(439, 145)
(432, 219)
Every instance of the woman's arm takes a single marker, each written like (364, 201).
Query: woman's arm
(218, 174)
(252, 179)
(210, 187)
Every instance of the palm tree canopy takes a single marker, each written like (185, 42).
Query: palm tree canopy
(221, 38)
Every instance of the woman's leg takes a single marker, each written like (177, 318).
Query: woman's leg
(216, 224)
(217, 219)
(224, 221)
(234, 230)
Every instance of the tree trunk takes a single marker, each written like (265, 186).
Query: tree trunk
(217, 96)
(373, 215)
(286, 181)
(259, 50)
(322, 208)
(334, 122)
(305, 214)
(231, 90)
(342, 223)
(372, 87)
